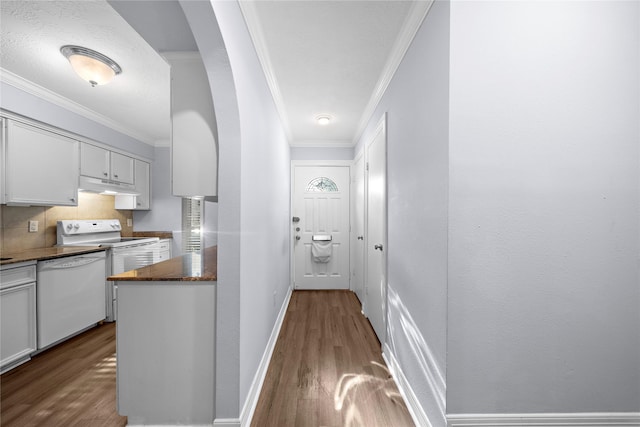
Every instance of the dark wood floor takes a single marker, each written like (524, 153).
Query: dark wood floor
(327, 369)
(72, 384)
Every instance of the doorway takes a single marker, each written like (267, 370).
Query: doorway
(320, 225)
(375, 307)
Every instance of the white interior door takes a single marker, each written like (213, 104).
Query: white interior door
(357, 227)
(321, 232)
(376, 235)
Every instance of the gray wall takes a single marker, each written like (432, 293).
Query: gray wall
(543, 269)
(417, 107)
(514, 199)
(166, 209)
(28, 105)
(321, 153)
(253, 210)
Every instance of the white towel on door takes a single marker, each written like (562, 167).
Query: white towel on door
(321, 251)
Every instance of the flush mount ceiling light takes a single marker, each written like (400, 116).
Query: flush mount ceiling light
(323, 119)
(92, 66)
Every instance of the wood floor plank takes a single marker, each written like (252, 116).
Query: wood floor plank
(72, 384)
(327, 369)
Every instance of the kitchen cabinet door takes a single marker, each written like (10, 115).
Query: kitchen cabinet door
(94, 161)
(142, 186)
(42, 166)
(122, 168)
(17, 315)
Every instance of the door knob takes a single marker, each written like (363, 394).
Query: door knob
(360, 237)
(297, 237)
(378, 247)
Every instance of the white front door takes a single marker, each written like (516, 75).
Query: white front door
(376, 236)
(321, 227)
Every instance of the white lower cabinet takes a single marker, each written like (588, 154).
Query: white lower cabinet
(17, 314)
(163, 251)
(165, 370)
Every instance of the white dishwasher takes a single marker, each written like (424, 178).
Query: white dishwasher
(70, 295)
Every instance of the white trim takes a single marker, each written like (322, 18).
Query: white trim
(599, 419)
(251, 401)
(410, 28)
(227, 422)
(256, 33)
(418, 415)
(169, 425)
(26, 86)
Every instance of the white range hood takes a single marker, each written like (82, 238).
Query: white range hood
(106, 186)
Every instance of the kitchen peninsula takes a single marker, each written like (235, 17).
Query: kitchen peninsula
(165, 335)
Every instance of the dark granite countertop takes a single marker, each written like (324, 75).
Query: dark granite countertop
(186, 268)
(41, 254)
(159, 234)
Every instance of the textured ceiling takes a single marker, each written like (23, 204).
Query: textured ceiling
(135, 102)
(319, 57)
(327, 58)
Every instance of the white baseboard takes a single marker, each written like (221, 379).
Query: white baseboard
(258, 380)
(420, 418)
(141, 424)
(227, 422)
(595, 419)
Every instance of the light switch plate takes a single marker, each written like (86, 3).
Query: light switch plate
(129, 222)
(33, 226)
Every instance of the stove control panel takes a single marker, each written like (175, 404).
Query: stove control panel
(78, 226)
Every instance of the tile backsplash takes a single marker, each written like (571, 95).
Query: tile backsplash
(15, 235)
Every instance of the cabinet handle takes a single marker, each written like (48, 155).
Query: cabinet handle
(115, 176)
(73, 199)
(105, 174)
(139, 204)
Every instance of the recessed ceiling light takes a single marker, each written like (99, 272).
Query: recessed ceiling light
(323, 119)
(92, 66)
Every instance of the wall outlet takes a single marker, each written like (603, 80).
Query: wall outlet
(33, 226)
(129, 222)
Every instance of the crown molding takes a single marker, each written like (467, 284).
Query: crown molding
(322, 143)
(419, 10)
(257, 37)
(43, 93)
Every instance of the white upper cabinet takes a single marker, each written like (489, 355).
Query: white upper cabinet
(194, 149)
(42, 167)
(142, 201)
(143, 185)
(101, 163)
(94, 161)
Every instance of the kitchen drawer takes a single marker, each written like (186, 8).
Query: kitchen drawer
(17, 274)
